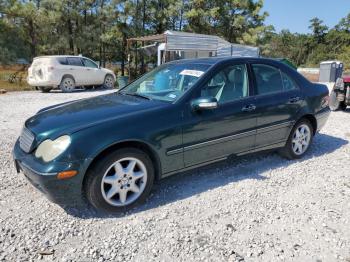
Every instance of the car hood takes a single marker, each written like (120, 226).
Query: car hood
(71, 117)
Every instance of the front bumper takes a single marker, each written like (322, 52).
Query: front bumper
(43, 176)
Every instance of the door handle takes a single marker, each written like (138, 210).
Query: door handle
(248, 108)
(71, 68)
(294, 99)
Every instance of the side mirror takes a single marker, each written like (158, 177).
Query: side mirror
(204, 103)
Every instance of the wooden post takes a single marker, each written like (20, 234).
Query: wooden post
(136, 61)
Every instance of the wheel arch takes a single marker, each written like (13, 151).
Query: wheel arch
(146, 148)
(67, 75)
(312, 120)
(109, 74)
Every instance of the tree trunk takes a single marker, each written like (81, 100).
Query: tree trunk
(70, 36)
(123, 54)
(32, 38)
(143, 30)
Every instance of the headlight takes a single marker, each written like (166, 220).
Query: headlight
(50, 149)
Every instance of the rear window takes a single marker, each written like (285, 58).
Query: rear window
(62, 60)
(74, 61)
(40, 61)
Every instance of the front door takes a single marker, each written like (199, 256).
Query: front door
(277, 100)
(214, 134)
(92, 73)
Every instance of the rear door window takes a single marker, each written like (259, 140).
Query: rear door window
(267, 78)
(62, 60)
(74, 61)
(288, 82)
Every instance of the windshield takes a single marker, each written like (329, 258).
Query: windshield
(167, 82)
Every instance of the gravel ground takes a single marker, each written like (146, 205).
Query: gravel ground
(254, 208)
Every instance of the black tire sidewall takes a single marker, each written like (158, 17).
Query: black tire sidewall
(343, 106)
(96, 173)
(45, 89)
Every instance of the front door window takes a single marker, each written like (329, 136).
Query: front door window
(229, 84)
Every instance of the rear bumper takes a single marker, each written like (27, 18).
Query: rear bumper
(35, 82)
(44, 177)
(322, 117)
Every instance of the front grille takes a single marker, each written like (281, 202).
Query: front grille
(26, 140)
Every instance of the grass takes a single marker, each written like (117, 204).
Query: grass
(19, 83)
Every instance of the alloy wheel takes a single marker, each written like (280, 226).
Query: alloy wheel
(68, 85)
(124, 181)
(301, 139)
(109, 82)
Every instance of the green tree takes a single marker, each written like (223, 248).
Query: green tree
(318, 29)
(235, 20)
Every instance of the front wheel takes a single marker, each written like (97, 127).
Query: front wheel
(299, 140)
(120, 180)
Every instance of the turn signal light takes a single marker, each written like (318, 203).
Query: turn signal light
(67, 174)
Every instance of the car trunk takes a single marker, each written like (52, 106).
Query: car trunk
(39, 69)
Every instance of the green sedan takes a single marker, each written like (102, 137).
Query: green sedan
(185, 114)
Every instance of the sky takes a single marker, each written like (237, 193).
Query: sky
(295, 14)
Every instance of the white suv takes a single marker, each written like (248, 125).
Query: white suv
(67, 72)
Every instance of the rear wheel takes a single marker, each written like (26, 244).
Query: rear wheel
(67, 84)
(45, 89)
(109, 81)
(120, 181)
(342, 106)
(299, 140)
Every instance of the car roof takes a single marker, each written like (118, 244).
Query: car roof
(217, 60)
(56, 56)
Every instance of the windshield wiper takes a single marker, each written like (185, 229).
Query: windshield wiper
(136, 94)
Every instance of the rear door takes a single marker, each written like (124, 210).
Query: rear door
(77, 70)
(277, 99)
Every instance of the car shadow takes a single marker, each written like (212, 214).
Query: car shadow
(232, 170)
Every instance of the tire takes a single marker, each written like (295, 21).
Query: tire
(109, 82)
(109, 180)
(67, 84)
(45, 89)
(292, 148)
(334, 103)
(342, 106)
